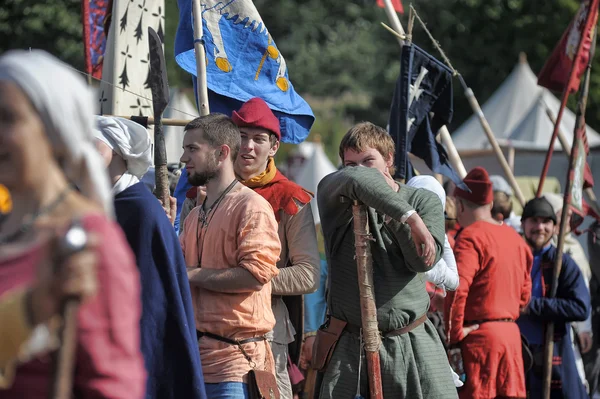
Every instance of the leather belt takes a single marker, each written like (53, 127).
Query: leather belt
(354, 329)
(471, 322)
(200, 334)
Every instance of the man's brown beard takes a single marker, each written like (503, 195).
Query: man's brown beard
(200, 179)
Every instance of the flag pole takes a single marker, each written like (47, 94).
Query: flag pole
(577, 136)
(564, 98)
(201, 85)
(562, 138)
(453, 155)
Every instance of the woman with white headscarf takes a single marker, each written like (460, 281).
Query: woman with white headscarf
(444, 274)
(168, 329)
(55, 177)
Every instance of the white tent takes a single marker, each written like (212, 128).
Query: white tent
(517, 113)
(313, 170)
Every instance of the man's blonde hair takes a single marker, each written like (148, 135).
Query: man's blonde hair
(365, 135)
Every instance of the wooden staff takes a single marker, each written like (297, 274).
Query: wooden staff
(201, 86)
(577, 136)
(63, 360)
(148, 120)
(493, 142)
(159, 87)
(368, 308)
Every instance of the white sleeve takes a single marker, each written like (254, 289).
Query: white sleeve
(452, 278)
(444, 274)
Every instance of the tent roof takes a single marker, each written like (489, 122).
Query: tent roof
(517, 115)
(313, 170)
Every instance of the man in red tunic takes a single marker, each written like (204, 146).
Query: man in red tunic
(494, 265)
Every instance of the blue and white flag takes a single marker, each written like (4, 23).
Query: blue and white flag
(243, 62)
(422, 104)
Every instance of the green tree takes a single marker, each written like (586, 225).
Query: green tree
(51, 25)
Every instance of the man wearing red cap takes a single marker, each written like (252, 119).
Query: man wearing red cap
(494, 265)
(299, 262)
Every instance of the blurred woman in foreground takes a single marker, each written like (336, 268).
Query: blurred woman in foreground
(55, 177)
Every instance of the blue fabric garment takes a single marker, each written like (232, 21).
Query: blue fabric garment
(227, 390)
(533, 330)
(242, 62)
(315, 304)
(180, 191)
(168, 331)
(572, 303)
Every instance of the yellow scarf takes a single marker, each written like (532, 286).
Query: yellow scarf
(264, 178)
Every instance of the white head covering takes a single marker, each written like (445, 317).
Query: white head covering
(429, 183)
(128, 139)
(64, 104)
(500, 184)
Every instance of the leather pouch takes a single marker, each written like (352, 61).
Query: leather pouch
(262, 385)
(327, 337)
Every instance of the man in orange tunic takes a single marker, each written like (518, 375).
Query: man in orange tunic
(494, 265)
(231, 248)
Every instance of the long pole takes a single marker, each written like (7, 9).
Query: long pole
(562, 138)
(577, 136)
(368, 308)
(444, 133)
(592, 13)
(201, 86)
(493, 142)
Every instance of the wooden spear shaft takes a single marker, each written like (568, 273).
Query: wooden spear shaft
(150, 120)
(368, 308)
(564, 218)
(493, 142)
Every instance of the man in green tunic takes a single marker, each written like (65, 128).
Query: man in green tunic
(407, 225)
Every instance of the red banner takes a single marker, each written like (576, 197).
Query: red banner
(568, 61)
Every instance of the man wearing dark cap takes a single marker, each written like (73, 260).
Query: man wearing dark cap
(493, 265)
(299, 261)
(571, 304)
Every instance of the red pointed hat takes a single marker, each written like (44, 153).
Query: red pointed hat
(480, 185)
(256, 113)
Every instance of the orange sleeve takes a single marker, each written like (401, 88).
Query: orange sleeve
(467, 260)
(258, 245)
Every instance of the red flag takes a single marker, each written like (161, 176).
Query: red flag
(396, 3)
(569, 59)
(93, 15)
